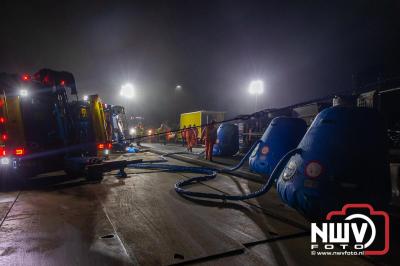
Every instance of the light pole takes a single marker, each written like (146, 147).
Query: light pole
(256, 88)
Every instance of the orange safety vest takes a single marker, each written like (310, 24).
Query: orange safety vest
(210, 133)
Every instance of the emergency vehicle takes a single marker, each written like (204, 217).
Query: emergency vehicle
(41, 129)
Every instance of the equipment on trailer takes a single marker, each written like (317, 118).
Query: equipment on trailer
(282, 135)
(117, 126)
(227, 140)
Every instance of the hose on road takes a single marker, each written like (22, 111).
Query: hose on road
(210, 173)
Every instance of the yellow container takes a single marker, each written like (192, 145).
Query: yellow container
(200, 118)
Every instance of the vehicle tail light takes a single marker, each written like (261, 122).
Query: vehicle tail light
(4, 137)
(19, 151)
(109, 146)
(2, 151)
(26, 77)
(100, 146)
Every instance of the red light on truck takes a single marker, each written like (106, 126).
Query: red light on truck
(2, 120)
(109, 146)
(26, 77)
(4, 137)
(100, 146)
(19, 151)
(46, 80)
(62, 82)
(2, 151)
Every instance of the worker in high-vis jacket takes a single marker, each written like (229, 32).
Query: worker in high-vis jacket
(183, 134)
(209, 134)
(196, 134)
(189, 138)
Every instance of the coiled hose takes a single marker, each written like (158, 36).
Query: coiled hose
(211, 173)
(264, 189)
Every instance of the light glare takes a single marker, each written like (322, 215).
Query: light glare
(5, 160)
(23, 92)
(127, 90)
(256, 87)
(132, 131)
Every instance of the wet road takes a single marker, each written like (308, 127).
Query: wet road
(141, 220)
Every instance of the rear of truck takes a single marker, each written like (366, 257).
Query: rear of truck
(90, 136)
(34, 127)
(41, 130)
(12, 140)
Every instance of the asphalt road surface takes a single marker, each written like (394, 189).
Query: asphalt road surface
(140, 220)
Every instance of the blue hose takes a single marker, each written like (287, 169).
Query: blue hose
(244, 159)
(182, 152)
(264, 189)
(211, 173)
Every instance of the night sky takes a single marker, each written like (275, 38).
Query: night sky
(302, 50)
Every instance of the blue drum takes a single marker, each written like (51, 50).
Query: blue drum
(282, 135)
(343, 159)
(227, 140)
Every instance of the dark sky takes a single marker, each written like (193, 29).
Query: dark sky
(302, 50)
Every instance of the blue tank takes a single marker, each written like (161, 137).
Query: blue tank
(343, 160)
(282, 135)
(227, 140)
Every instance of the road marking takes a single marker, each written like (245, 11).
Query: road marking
(9, 209)
(133, 259)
